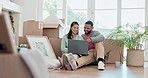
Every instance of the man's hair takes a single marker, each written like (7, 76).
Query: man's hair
(89, 22)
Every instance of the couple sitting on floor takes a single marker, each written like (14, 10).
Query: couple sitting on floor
(95, 47)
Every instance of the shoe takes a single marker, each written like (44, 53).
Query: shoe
(69, 62)
(72, 61)
(101, 65)
(65, 62)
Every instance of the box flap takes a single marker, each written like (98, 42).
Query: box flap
(52, 22)
(33, 21)
(29, 21)
(52, 19)
(51, 25)
(61, 24)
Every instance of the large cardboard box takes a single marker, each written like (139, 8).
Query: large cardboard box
(56, 45)
(13, 66)
(116, 52)
(53, 27)
(32, 27)
(22, 40)
(53, 30)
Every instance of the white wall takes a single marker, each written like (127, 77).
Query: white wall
(30, 10)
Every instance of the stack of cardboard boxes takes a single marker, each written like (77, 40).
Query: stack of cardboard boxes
(54, 30)
(31, 27)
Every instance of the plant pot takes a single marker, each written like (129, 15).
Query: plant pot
(135, 58)
(118, 64)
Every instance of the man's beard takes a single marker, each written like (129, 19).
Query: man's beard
(87, 32)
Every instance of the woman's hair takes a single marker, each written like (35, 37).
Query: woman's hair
(70, 31)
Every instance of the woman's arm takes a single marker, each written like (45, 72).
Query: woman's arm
(64, 44)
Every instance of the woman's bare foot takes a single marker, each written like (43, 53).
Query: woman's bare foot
(61, 61)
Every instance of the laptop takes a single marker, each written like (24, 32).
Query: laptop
(7, 44)
(78, 47)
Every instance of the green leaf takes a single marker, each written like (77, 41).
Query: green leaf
(106, 56)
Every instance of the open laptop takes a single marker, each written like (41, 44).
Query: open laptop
(7, 43)
(78, 47)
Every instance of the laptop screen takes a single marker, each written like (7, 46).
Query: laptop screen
(78, 47)
(7, 43)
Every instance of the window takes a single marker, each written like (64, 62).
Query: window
(133, 11)
(76, 11)
(133, 16)
(105, 4)
(106, 14)
(53, 7)
(106, 18)
(133, 3)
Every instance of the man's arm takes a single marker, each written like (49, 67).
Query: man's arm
(97, 37)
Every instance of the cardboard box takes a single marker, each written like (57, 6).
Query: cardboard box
(53, 27)
(32, 27)
(113, 56)
(56, 45)
(22, 40)
(63, 21)
(13, 66)
(115, 51)
(53, 30)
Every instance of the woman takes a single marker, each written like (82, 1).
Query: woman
(72, 34)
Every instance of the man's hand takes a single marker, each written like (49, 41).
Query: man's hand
(89, 40)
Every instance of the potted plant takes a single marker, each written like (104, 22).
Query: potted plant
(131, 37)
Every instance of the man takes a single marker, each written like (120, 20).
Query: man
(95, 49)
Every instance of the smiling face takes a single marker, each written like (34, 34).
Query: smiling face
(75, 29)
(88, 28)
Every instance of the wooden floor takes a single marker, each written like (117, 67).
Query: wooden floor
(110, 72)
